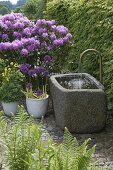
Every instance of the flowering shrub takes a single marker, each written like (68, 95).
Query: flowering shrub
(31, 45)
(22, 38)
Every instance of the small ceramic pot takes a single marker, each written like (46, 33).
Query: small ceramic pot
(10, 108)
(37, 107)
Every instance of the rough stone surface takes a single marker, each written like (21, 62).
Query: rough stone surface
(80, 110)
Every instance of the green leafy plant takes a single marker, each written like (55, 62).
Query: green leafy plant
(37, 79)
(11, 84)
(58, 10)
(70, 155)
(18, 140)
(91, 24)
(25, 149)
(3, 64)
(38, 94)
(22, 141)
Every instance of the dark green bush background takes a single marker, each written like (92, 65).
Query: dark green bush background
(91, 23)
(33, 9)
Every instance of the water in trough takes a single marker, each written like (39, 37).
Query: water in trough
(76, 82)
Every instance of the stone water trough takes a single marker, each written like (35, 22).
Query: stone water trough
(79, 102)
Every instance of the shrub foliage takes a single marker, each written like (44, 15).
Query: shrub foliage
(91, 23)
(34, 9)
(25, 149)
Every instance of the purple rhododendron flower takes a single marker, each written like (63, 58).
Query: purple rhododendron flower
(18, 25)
(50, 47)
(39, 92)
(47, 59)
(4, 46)
(54, 27)
(43, 21)
(15, 46)
(30, 48)
(50, 23)
(27, 31)
(1, 46)
(18, 43)
(4, 36)
(44, 44)
(29, 86)
(25, 21)
(24, 52)
(9, 24)
(62, 30)
(8, 45)
(58, 42)
(44, 35)
(52, 36)
(31, 34)
(69, 35)
(41, 69)
(25, 40)
(42, 30)
(17, 34)
(39, 22)
(65, 39)
(36, 43)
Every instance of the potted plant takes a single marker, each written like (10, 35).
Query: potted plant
(36, 89)
(32, 43)
(10, 90)
(36, 102)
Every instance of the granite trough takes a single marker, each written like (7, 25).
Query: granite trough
(79, 102)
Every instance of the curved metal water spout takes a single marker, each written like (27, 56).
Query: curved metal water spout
(100, 58)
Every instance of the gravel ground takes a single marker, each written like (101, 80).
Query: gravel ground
(103, 140)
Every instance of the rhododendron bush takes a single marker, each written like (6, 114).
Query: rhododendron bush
(26, 41)
(31, 45)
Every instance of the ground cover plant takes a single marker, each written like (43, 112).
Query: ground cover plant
(25, 149)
